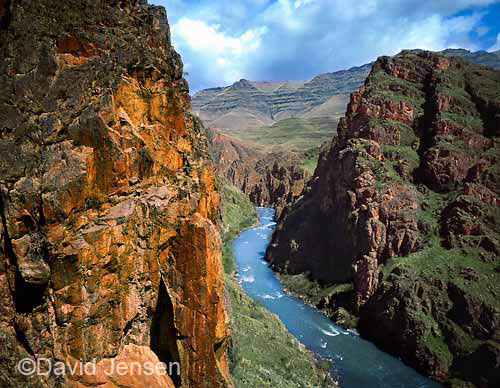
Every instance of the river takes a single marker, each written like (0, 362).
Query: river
(356, 362)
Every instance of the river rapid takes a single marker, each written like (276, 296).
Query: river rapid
(357, 363)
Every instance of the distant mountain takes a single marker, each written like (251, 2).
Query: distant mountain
(287, 117)
(247, 104)
(480, 57)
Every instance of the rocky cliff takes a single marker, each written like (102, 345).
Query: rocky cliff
(404, 206)
(107, 200)
(273, 179)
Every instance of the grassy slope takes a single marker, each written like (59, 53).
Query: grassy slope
(302, 136)
(294, 134)
(263, 354)
(238, 213)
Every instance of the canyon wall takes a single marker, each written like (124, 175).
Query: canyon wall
(108, 203)
(272, 179)
(264, 130)
(404, 206)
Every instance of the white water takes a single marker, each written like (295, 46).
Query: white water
(357, 363)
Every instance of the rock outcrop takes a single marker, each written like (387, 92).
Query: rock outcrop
(274, 179)
(107, 200)
(404, 205)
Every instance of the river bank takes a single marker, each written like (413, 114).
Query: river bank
(262, 353)
(356, 362)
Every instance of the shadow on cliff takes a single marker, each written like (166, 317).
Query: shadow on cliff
(164, 334)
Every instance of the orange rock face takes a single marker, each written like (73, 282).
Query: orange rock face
(109, 250)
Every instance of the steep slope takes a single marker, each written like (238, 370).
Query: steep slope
(107, 200)
(269, 179)
(404, 206)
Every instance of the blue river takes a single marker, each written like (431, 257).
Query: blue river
(356, 362)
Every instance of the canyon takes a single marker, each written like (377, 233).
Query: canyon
(116, 187)
(112, 213)
(399, 224)
(271, 131)
(265, 136)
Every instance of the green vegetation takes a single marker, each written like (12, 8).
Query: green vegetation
(469, 121)
(310, 290)
(397, 90)
(425, 272)
(238, 213)
(405, 87)
(437, 345)
(435, 262)
(311, 160)
(430, 206)
(400, 152)
(316, 294)
(294, 134)
(263, 353)
(383, 171)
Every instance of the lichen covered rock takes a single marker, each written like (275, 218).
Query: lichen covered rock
(108, 201)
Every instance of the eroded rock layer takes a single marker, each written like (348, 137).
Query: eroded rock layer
(404, 205)
(108, 204)
(272, 179)
(266, 102)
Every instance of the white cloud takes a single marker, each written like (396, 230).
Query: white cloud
(495, 47)
(301, 3)
(223, 41)
(209, 51)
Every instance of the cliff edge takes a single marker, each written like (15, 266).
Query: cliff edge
(108, 203)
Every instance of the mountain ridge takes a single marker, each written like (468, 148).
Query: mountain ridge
(402, 215)
(306, 95)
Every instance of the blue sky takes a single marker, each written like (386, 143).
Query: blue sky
(224, 41)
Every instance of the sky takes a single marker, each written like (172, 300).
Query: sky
(267, 40)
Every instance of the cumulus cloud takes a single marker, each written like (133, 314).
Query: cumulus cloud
(215, 57)
(226, 40)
